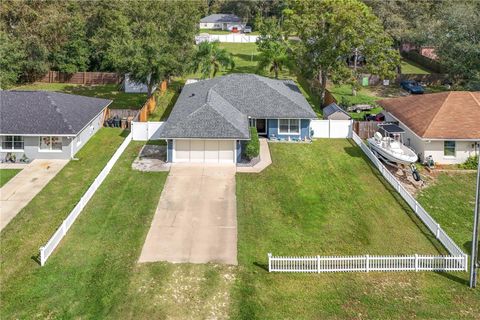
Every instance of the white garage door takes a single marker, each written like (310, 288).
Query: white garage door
(204, 151)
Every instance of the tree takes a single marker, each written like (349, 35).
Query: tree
(457, 40)
(11, 58)
(331, 32)
(272, 46)
(153, 41)
(210, 58)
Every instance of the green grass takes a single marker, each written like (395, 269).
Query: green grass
(166, 101)
(451, 201)
(410, 67)
(34, 224)
(326, 199)
(121, 100)
(7, 174)
(94, 274)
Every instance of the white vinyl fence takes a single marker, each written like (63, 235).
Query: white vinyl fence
(50, 246)
(431, 224)
(143, 131)
(233, 38)
(332, 128)
(457, 261)
(366, 263)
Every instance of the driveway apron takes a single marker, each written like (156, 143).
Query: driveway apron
(195, 220)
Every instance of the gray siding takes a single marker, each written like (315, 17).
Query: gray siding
(70, 145)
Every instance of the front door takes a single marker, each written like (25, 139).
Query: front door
(261, 125)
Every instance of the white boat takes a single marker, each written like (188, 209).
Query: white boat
(389, 145)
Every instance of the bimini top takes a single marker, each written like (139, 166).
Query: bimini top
(219, 108)
(392, 128)
(47, 113)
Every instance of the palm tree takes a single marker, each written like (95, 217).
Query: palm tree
(210, 57)
(274, 54)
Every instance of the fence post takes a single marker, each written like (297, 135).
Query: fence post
(269, 262)
(416, 262)
(465, 259)
(318, 264)
(367, 263)
(42, 256)
(437, 234)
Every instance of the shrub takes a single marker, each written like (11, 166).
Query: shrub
(470, 163)
(252, 147)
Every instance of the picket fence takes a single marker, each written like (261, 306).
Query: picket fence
(49, 247)
(232, 38)
(456, 261)
(366, 263)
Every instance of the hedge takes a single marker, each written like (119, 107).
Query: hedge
(424, 61)
(252, 147)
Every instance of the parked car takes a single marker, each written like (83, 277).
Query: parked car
(412, 86)
(235, 28)
(375, 117)
(247, 29)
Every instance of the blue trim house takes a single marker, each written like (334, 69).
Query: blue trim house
(211, 118)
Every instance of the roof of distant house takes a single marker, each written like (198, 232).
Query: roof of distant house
(443, 115)
(47, 113)
(220, 107)
(333, 108)
(220, 17)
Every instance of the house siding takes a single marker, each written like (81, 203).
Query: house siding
(70, 145)
(272, 130)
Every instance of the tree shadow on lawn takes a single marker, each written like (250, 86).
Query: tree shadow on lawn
(355, 151)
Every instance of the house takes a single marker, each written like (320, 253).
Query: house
(221, 21)
(334, 112)
(443, 125)
(47, 125)
(211, 118)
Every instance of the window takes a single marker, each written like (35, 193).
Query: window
(449, 148)
(50, 143)
(289, 126)
(12, 143)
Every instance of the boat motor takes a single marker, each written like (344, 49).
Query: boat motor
(415, 174)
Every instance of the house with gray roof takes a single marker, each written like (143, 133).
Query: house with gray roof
(47, 125)
(334, 112)
(219, 21)
(211, 119)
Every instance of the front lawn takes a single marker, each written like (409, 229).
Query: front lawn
(121, 100)
(34, 224)
(7, 174)
(325, 198)
(450, 199)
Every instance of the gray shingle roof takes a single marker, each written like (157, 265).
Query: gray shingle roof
(45, 112)
(331, 109)
(229, 101)
(220, 17)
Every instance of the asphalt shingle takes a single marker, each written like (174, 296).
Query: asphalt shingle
(231, 100)
(220, 18)
(45, 112)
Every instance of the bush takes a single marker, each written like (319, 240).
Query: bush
(252, 147)
(470, 163)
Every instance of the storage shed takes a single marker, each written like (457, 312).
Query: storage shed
(334, 112)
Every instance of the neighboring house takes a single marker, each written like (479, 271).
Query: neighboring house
(334, 112)
(443, 125)
(211, 118)
(221, 21)
(47, 125)
(426, 51)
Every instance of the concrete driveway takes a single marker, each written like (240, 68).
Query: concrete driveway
(23, 187)
(195, 220)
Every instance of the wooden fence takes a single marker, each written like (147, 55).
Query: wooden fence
(365, 129)
(150, 105)
(82, 77)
